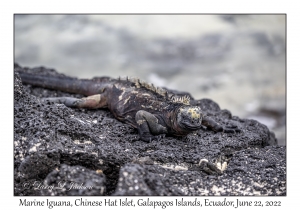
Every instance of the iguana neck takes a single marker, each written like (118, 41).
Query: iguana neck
(176, 127)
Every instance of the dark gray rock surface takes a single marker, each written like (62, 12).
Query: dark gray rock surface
(75, 180)
(250, 172)
(53, 142)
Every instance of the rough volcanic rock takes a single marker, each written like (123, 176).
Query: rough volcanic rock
(49, 136)
(74, 180)
(251, 171)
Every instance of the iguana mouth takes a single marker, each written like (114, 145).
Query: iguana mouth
(192, 128)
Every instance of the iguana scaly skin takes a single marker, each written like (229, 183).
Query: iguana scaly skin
(153, 111)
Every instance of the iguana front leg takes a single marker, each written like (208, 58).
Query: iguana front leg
(90, 102)
(213, 125)
(148, 126)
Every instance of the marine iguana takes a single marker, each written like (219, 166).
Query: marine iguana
(152, 110)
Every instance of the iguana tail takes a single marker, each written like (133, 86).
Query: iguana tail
(66, 84)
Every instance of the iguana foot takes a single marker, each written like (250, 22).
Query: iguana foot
(215, 126)
(149, 138)
(231, 129)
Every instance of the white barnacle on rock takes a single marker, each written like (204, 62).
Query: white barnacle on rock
(76, 142)
(182, 167)
(33, 149)
(217, 190)
(224, 166)
(79, 151)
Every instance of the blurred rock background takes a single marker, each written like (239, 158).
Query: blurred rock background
(238, 61)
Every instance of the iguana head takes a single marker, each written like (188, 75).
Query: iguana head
(189, 117)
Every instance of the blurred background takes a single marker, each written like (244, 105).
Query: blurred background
(238, 61)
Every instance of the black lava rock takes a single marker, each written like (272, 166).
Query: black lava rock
(74, 180)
